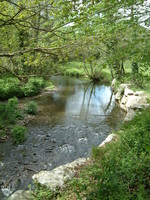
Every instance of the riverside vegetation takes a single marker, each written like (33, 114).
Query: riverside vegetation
(11, 114)
(118, 171)
(10, 117)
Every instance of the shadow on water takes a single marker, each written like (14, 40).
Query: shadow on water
(71, 120)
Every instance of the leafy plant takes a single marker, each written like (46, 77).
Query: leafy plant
(19, 134)
(9, 87)
(9, 112)
(31, 108)
(33, 86)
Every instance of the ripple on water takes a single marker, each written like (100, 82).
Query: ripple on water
(66, 148)
(82, 140)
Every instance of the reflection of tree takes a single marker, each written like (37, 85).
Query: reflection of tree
(90, 90)
(115, 118)
(109, 103)
(86, 88)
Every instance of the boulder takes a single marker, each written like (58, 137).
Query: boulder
(22, 195)
(128, 92)
(59, 175)
(108, 139)
(139, 106)
(120, 92)
(139, 93)
(130, 115)
(124, 100)
(133, 101)
(113, 83)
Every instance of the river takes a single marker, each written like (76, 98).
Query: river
(71, 120)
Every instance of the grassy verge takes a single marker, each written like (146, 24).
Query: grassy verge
(74, 68)
(121, 170)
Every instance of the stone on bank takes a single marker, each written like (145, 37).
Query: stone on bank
(130, 101)
(22, 195)
(59, 175)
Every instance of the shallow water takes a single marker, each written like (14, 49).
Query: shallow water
(71, 120)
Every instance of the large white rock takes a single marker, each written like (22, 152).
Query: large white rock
(108, 139)
(130, 115)
(59, 175)
(128, 92)
(123, 103)
(139, 93)
(133, 101)
(124, 100)
(113, 83)
(22, 195)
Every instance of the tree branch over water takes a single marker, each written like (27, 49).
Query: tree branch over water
(37, 49)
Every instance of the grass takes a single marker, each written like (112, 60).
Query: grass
(121, 170)
(74, 68)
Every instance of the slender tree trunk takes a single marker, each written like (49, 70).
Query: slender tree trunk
(111, 71)
(122, 68)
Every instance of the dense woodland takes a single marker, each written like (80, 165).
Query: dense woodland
(36, 36)
(98, 39)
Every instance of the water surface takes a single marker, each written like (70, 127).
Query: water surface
(71, 120)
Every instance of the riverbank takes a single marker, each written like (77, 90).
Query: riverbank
(13, 112)
(131, 101)
(72, 119)
(83, 169)
(119, 169)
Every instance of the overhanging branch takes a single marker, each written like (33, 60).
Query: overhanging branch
(37, 49)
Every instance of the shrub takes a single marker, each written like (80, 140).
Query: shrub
(9, 112)
(33, 86)
(9, 87)
(73, 72)
(19, 134)
(31, 108)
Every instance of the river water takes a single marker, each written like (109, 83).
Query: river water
(71, 120)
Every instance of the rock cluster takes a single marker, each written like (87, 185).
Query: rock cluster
(59, 175)
(130, 101)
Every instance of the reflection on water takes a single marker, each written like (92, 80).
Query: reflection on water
(75, 100)
(72, 120)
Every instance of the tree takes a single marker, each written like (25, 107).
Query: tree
(36, 34)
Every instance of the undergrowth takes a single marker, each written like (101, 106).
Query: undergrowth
(10, 87)
(11, 115)
(74, 68)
